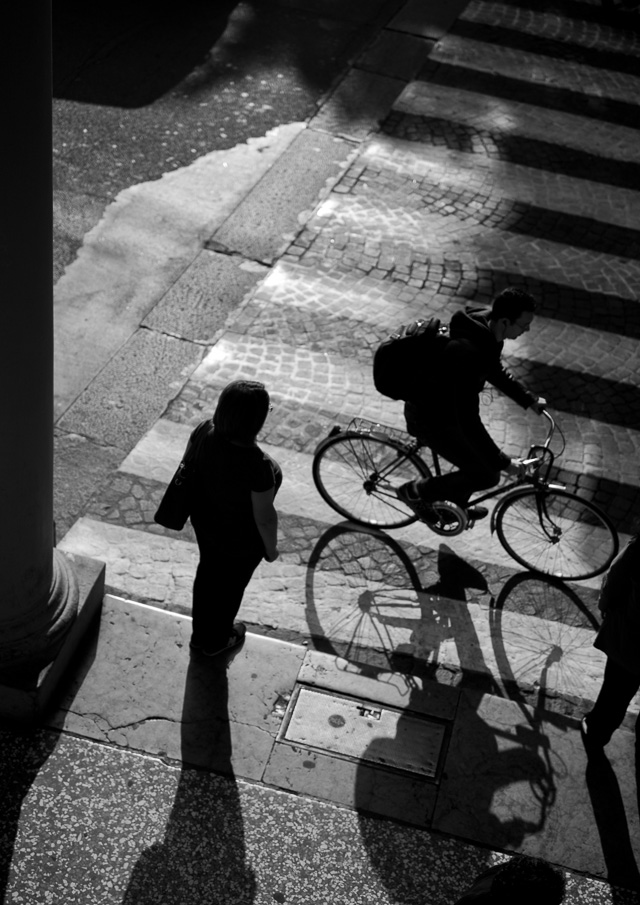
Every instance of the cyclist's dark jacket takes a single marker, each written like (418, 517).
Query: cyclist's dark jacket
(452, 410)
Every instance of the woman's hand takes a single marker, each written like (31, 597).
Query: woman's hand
(272, 555)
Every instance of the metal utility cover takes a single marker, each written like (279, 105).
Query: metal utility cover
(368, 732)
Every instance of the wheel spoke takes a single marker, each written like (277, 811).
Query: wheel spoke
(358, 476)
(556, 533)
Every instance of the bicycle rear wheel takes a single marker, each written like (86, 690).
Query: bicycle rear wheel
(555, 532)
(357, 475)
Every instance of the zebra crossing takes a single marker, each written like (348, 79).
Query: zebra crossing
(512, 159)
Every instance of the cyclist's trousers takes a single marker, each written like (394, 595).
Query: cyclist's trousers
(457, 486)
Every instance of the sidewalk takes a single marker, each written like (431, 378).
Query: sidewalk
(291, 776)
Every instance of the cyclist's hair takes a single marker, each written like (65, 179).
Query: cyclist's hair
(511, 303)
(242, 409)
(529, 882)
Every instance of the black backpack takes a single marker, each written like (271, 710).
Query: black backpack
(405, 365)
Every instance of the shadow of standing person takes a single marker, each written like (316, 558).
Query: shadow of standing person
(23, 755)
(202, 856)
(611, 821)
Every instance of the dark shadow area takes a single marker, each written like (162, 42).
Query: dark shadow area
(596, 310)
(556, 609)
(535, 93)
(427, 597)
(519, 217)
(22, 756)
(202, 856)
(129, 55)
(556, 49)
(611, 821)
(582, 394)
(571, 9)
(385, 596)
(513, 148)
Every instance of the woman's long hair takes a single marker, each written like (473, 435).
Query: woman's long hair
(242, 409)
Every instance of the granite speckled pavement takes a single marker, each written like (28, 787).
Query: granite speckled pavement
(404, 711)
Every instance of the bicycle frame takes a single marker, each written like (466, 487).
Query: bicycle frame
(544, 457)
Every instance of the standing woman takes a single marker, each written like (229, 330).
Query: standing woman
(619, 638)
(232, 513)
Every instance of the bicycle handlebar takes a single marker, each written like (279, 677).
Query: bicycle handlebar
(552, 427)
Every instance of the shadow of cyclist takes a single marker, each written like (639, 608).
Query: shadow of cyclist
(418, 621)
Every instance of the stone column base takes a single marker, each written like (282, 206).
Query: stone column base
(25, 705)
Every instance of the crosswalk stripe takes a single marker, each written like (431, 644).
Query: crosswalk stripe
(158, 452)
(433, 234)
(452, 633)
(318, 382)
(550, 25)
(482, 111)
(475, 55)
(550, 342)
(451, 170)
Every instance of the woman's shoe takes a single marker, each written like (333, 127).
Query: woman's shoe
(236, 640)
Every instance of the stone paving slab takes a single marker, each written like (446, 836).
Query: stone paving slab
(132, 390)
(197, 304)
(360, 100)
(266, 220)
(432, 23)
(138, 689)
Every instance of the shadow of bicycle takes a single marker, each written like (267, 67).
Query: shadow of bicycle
(414, 622)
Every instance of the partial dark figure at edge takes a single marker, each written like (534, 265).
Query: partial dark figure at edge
(521, 880)
(619, 639)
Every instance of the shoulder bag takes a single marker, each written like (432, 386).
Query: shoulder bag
(175, 506)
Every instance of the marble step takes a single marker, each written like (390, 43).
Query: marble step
(303, 601)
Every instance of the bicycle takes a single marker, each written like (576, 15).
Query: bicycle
(542, 525)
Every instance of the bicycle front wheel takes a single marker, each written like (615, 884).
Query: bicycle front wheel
(555, 532)
(357, 474)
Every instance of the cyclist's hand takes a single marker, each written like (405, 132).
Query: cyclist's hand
(516, 468)
(539, 405)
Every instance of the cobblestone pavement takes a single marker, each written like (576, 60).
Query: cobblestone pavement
(512, 158)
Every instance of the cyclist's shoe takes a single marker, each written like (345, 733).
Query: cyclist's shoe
(475, 513)
(424, 511)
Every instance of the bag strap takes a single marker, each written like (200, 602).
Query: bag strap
(195, 441)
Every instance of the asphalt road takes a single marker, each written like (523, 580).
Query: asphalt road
(139, 91)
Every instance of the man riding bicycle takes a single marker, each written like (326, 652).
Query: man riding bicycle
(448, 419)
